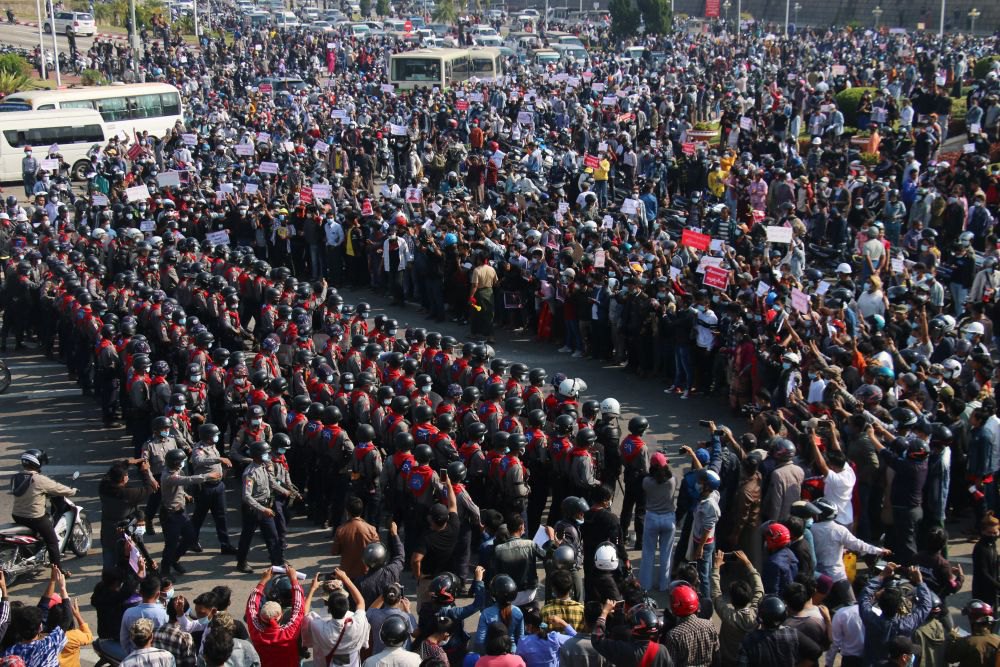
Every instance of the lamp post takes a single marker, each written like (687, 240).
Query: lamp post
(41, 42)
(973, 15)
(941, 26)
(725, 6)
(55, 46)
(877, 13)
(788, 6)
(796, 9)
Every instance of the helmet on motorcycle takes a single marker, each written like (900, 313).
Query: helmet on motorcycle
(442, 589)
(978, 612)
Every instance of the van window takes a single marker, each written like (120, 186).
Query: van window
(113, 108)
(84, 134)
(146, 106)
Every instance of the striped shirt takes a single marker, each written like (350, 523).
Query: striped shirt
(42, 652)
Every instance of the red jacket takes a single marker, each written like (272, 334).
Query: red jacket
(276, 644)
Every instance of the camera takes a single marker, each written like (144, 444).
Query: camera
(729, 557)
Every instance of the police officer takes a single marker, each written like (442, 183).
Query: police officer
(259, 490)
(609, 435)
(582, 477)
(366, 469)
(154, 451)
(635, 458)
(178, 533)
(29, 172)
(211, 496)
(334, 450)
(107, 369)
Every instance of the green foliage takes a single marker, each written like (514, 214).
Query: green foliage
(366, 8)
(446, 11)
(12, 63)
(869, 159)
(624, 18)
(116, 12)
(848, 101)
(184, 24)
(11, 82)
(983, 66)
(92, 77)
(656, 16)
(383, 8)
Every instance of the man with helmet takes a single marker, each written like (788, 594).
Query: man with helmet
(635, 457)
(154, 452)
(259, 491)
(334, 451)
(518, 557)
(560, 446)
(435, 549)
(423, 487)
(641, 650)
(582, 470)
(906, 495)
(774, 643)
(881, 628)
(830, 539)
(692, 640)
(981, 645)
(31, 490)
(394, 634)
(107, 372)
(366, 469)
(19, 294)
(178, 532)
(784, 483)
(600, 527)
(780, 564)
(211, 496)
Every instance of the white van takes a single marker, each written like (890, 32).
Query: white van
(75, 131)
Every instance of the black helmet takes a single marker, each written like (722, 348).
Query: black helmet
(573, 505)
(207, 431)
(423, 454)
(400, 405)
(479, 353)
(536, 417)
(782, 449)
(443, 587)
(160, 423)
(771, 612)
(384, 394)
(590, 409)
(281, 441)
(259, 448)
(365, 433)
(518, 371)
(500, 440)
(445, 422)
(586, 437)
(470, 395)
(34, 458)
(476, 430)
(402, 442)
(827, 510)
(374, 555)
(514, 404)
(332, 415)
(504, 589)
(499, 366)
(457, 472)
(564, 557)
(394, 631)
(422, 413)
(638, 425)
(537, 376)
(564, 424)
(175, 458)
(645, 623)
(494, 391)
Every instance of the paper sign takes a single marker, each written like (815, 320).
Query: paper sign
(823, 287)
(563, 206)
(169, 179)
(53, 149)
(800, 300)
(716, 277)
(598, 86)
(321, 147)
(338, 114)
(897, 264)
(322, 191)
(266, 88)
(630, 206)
(968, 148)
(602, 147)
(609, 100)
(263, 137)
(366, 207)
(388, 88)
(974, 128)
(746, 123)
(475, 97)
(776, 234)
(462, 105)
(591, 161)
(250, 188)
(218, 238)
(50, 164)
(413, 195)
(133, 558)
(599, 259)
(607, 222)
(541, 538)
(269, 167)
(288, 146)
(763, 288)
(226, 188)
(397, 130)
(707, 261)
(838, 70)
(99, 199)
(525, 118)
(245, 150)
(688, 148)
(190, 139)
(147, 226)
(695, 240)
(675, 273)
(137, 193)
(718, 245)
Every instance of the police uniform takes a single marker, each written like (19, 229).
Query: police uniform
(178, 532)
(211, 496)
(259, 489)
(154, 452)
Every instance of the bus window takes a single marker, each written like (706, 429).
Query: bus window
(113, 108)
(171, 104)
(146, 106)
(416, 69)
(54, 135)
(77, 104)
(461, 70)
(46, 107)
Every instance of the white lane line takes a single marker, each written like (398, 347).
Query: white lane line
(34, 394)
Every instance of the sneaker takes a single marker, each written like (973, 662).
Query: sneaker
(686, 394)
(671, 389)
(578, 354)
(564, 349)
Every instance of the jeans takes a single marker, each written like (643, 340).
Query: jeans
(659, 530)
(573, 338)
(601, 190)
(316, 260)
(683, 376)
(959, 293)
(705, 570)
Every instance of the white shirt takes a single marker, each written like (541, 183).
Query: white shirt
(704, 337)
(394, 657)
(838, 489)
(334, 233)
(816, 389)
(320, 633)
(829, 540)
(848, 634)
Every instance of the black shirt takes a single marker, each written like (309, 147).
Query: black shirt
(437, 546)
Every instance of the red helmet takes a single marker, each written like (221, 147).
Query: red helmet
(684, 601)
(777, 536)
(978, 612)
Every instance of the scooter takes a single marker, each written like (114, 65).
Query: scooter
(23, 552)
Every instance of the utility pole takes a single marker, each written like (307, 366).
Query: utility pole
(196, 35)
(788, 7)
(55, 45)
(41, 41)
(941, 27)
(134, 36)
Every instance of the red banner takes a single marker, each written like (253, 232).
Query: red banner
(265, 88)
(366, 207)
(591, 161)
(462, 105)
(696, 240)
(408, 25)
(306, 195)
(716, 277)
(688, 148)
(712, 9)
(626, 117)
(134, 151)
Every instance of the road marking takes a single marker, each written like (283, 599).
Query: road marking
(32, 366)
(66, 470)
(42, 393)
(60, 427)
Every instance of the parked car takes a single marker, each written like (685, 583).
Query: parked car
(79, 23)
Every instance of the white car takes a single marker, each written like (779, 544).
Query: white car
(533, 13)
(79, 23)
(321, 26)
(309, 13)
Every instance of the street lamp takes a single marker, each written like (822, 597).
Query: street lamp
(877, 13)
(797, 7)
(725, 6)
(973, 15)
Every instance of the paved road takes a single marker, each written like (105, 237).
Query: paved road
(27, 37)
(44, 409)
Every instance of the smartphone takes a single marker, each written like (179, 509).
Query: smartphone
(443, 473)
(703, 422)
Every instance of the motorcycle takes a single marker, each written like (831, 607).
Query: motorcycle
(23, 552)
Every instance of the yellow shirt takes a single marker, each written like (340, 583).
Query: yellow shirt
(716, 183)
(601, 172)
(75, 640)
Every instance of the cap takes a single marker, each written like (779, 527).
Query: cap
(824, 584)
(658, 460)
(438, 513)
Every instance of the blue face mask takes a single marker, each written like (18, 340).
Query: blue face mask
(786, 365)
(282, 450)
(265, 457)
(164, 434)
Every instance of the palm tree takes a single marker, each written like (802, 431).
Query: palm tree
(446, 11)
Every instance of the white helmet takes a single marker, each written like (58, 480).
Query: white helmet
(974, 328)
(606, 557)
(844, 267)
(572, 387)
(952, 368)
(610, 406)
(568, 274)
(612, 284)
(949, 323)
(791, 357)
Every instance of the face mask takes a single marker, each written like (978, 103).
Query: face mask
(386, 401)
(164, 434)
(282, 450)
(786, 365)
(265, 457)
(661, 295)
(700, 308)
(239, 381)
(578, 522)
(924, 247)
(970, 337)
(195, 378)
(858, 207)
(812, 376)
(169, 594)
(255, 422)
(426, 389)
(348, 387)
(867, 286)
(139, 531)
(215, 439)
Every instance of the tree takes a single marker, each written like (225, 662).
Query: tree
(656, 15)
(383, 8)
(446, 11)
(366, 8)
(624, 18)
